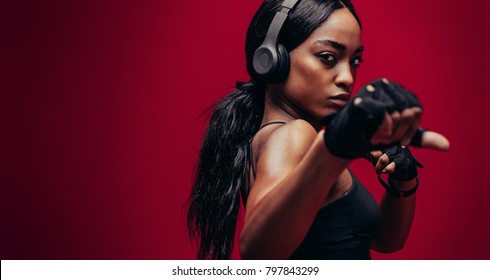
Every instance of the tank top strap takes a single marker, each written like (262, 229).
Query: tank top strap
(269, 123)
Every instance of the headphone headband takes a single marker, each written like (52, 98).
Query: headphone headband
(279, 20)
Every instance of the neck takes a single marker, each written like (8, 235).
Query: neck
(279, 108)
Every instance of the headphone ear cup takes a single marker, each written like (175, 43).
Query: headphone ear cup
(283, 62)
(265, 62)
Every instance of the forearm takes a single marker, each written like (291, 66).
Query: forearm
(279, 222)
(398, 214)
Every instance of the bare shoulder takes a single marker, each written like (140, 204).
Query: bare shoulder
(295, 136)
(280, 153)
(283, 149)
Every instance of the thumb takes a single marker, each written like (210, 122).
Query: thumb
(430, 139)
(434, 140)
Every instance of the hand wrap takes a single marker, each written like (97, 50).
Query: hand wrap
(405, 170)
(405, 163)
(350, 130)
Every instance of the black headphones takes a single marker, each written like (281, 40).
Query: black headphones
(271, 60)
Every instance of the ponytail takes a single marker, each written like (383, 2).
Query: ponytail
(222, 170)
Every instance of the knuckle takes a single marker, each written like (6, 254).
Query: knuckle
(417, 109)
(395, 116)
(417, 112)
(407, 114)
(376, 154)
(384, 159)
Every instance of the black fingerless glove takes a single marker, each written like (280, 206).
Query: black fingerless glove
(405, 170)
(405, 163)
(350, 130)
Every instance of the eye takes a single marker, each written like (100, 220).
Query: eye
(356, 62)
(328, 58)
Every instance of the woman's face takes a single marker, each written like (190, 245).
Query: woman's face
(323, 67)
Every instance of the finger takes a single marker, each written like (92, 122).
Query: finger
(373, 156)
(383, 133)
(412, 129)
(396, 118)
(398, 96)
(390, 168)
(376, 154)
(378, 91)
(410, 96)
(434, 140)
(406, 120)
(383, 161)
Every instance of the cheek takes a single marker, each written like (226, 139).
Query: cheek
(305, 74)
(354, 77)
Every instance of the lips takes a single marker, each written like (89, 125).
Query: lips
(340, 99)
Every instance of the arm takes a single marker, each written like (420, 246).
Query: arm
(398, 212)
(295, 172)
(398, 215)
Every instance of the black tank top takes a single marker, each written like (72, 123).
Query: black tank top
(344, 228)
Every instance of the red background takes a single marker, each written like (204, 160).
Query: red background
(100, 125)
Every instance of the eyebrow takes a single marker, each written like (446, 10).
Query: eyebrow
(337, 45)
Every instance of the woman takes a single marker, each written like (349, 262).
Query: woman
(265, 141)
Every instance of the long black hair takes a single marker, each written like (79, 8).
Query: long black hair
(222, 168)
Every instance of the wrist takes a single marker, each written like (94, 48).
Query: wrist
(403, 185)
(408, 188)
(339, 160)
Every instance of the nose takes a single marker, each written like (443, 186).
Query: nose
(345, 77)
